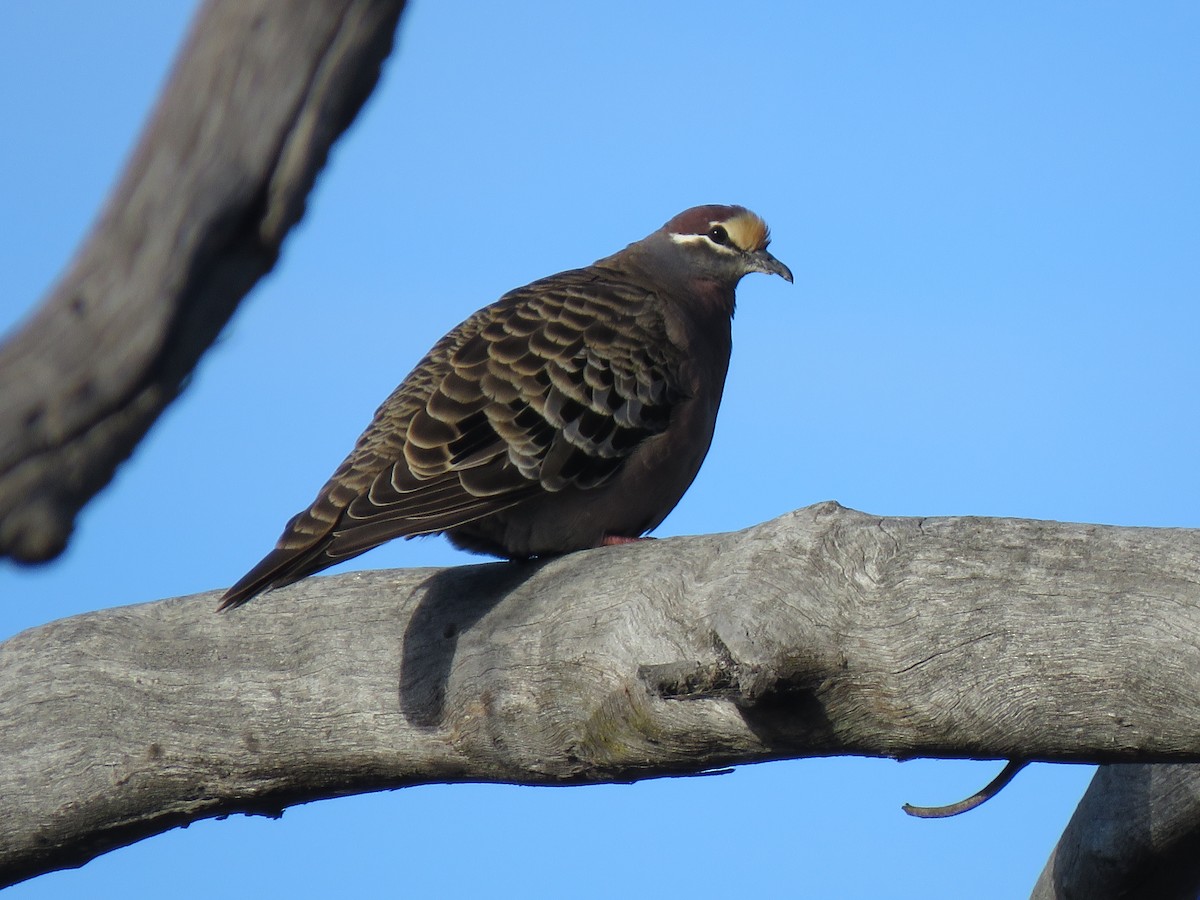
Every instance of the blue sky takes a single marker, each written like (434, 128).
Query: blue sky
(993, 214)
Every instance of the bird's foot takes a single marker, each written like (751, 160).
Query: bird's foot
(612, 540)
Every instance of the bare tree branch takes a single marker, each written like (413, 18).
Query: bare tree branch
(824, 632)
(260, 92)
(1136, 834)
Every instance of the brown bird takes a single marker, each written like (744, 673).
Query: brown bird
(571, 413)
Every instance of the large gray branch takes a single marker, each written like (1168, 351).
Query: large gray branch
(261, 90)
(1136, 833)
(825, 632)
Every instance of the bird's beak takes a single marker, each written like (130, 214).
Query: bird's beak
(762, 261)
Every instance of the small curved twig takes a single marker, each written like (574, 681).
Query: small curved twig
(995, 786)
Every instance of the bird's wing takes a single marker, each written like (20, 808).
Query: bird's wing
(552, 386)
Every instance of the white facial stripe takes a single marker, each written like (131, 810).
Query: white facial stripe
(702, 239)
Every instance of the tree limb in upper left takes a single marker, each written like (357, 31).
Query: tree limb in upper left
(259, 93)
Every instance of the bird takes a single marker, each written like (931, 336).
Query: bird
(572, 413)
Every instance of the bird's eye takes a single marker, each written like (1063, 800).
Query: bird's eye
(719, 235)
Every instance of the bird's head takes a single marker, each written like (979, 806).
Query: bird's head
(721, 243)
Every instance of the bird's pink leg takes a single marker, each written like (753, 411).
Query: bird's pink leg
(612, 540)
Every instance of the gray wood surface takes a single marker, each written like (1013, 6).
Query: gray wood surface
(1135, 834)
(825, 631)
(260, 91)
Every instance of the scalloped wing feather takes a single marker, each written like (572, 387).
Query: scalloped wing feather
(553, 386)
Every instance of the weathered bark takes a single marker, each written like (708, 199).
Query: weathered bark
(824, 632)
(260, 92)
(1136, 834)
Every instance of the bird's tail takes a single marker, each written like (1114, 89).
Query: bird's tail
(300, 551)
(279, 567)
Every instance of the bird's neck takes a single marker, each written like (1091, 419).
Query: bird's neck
(698, 296)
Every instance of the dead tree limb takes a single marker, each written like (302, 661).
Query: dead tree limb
(824, 632)
(1136, 834)
(261, 90)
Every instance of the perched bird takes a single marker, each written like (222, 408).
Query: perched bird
(571, 413)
